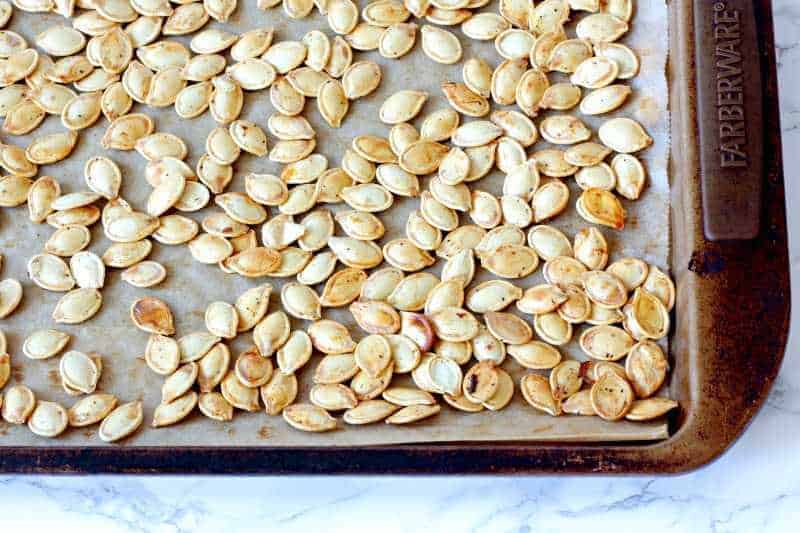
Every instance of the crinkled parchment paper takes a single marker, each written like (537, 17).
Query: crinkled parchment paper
(190, 286)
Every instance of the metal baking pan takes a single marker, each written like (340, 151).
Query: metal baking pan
(729, 259)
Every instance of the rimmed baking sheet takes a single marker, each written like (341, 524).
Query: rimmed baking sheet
(190, 286)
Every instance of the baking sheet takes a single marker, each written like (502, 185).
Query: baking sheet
(190, 286)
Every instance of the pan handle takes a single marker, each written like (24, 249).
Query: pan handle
(730, 118)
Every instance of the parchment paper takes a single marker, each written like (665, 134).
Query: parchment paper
(190, 286)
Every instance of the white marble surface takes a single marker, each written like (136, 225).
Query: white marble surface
(754, 487)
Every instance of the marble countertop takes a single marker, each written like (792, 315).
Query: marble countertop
(754, 487)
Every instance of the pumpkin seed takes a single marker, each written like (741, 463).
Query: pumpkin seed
(162, 354)
(152, 315)
(510, 154)
(176, 229)
(541, 299)
(342, 16)
(601, 28)
(605, 99)
(115, 101)
(508, 328)
(50, 272)
(11, 96)
(563, 270)
(553, 329)
(365, 37)
(649, 409)
(88, 270)
(486, 211)
(79, 371)
(403, 254)
(611, 396)
(477, 76)
(564, 129)
(298, 9)
(460, 266)
(91, 409)
(419, 329)
(661, 286)
(291, 151)
(397, 40)
(237, 394)
(398, 180)
(215, 406)
(18, 405)
(513, 43)
(630, 175)
(646, 368)
(61, 41)
(307, 417)
(179, 382)
(481, 382)
(68, 240)
(380, 284)
(279, 393)
(605, 342)
(48, 419)
(341, 57)
(123, 133)
(301, 301)
(121, 422)
(535, 355)
(505, 79)
(373, 355)
(306, 80)
(454, 324)
(252, 370)
(367, 387)
(23, 118)
(355, 253)
(374, 149)
(227, 100)
(51, 97)
(271, 333)
(600, 206)
(440, 45)
(330, 185)
(330, 337)
(123, 255)
(212, 366)
(468, 236)
(631, 271)
(591, 248)
(375, 317)
(484, 26)
(624, 57)
(252, 44)
(579, 403)
(493, 295)
(422, 234)
(586, 154)
(595, 72)
(143, 30)
(166, 414)
(332, 396)
(402, 106)
(405, 353)
(491, 240)
(220, 10)
(332, 102)
(195, 345)
(536, 391)
(343, 287)
(624, 135)
(423, 157)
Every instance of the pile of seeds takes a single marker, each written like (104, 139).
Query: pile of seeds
(450, 335)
